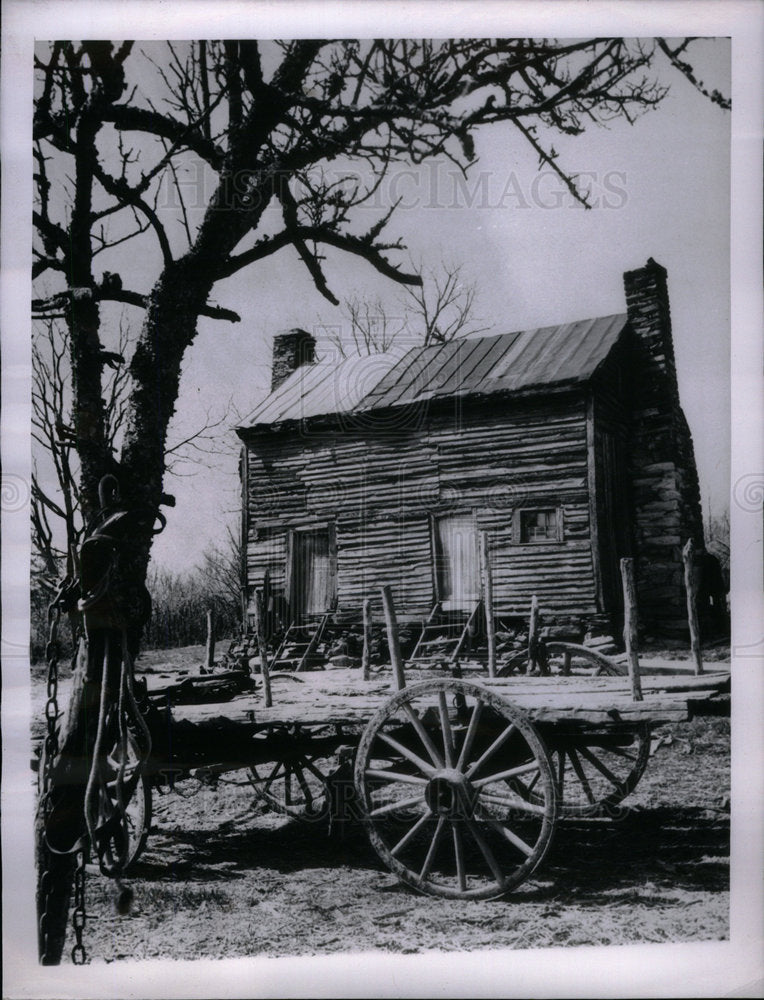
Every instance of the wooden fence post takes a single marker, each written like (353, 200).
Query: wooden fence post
(209, 658)
(366, 655)
(533, 628)
(258, 607)
(691, 588)
(630, 627)
(490, 624)
(392, 638)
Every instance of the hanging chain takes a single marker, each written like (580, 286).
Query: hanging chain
(52, 655)
(78, 913)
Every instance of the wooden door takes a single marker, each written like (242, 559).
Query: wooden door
(612, 515)
(313, 578)
(456, 561)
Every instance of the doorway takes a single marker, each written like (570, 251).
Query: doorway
(457, 567)
(312, 585)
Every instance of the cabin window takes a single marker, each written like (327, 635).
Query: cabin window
(538, 524)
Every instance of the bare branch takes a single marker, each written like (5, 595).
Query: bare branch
(443, 305)
(687, 71)
(45, 308)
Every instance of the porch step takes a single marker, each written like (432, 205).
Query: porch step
(446, 646)
(297, 649)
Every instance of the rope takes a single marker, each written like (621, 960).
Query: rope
(102, 796)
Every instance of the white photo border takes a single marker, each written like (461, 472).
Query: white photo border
(728, 968)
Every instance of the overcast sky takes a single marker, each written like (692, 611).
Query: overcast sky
(660, 189)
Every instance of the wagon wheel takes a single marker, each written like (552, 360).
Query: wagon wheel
(296, 787)
(603, 665)
(434, 779)
(595, 771)
(138, 810)
(296, 783)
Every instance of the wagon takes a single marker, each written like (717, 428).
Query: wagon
(459, 782)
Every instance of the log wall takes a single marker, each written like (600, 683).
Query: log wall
(381, 478)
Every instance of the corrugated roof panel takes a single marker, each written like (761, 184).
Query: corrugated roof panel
(452, 368)
(529, 366)
(464, 364)
(505, 362)
(417, 370)
(498, 349)
(569, 352)
(324, 387)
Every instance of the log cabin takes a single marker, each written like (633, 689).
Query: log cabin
(566, 444)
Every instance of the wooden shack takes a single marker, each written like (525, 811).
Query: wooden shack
(566, 444)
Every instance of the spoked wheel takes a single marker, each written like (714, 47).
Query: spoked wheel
(570, 655)
(296, 785)
(138, 809)
(443, 777)
(594, 771)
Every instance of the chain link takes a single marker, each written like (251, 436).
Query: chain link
(53, 654)
(78, 913)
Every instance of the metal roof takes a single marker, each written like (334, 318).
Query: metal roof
(508, 362)
(328, 386)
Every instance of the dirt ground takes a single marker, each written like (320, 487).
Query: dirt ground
(223, 877)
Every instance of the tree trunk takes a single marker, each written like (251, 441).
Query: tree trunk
(89, 425)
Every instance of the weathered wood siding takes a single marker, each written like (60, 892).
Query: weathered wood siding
(380, 478)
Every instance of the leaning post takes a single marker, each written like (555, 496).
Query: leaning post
(630, 627)
(490, 624)
(366, 654)
(533, 629)
(691, 588)
(209, 657)
(392, 638)
(258, 607)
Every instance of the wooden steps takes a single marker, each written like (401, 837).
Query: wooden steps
(300, 643)
(444, 636)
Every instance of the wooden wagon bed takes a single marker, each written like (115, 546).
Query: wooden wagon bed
(342, 697)
(459, 782)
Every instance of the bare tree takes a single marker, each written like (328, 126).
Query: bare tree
(439, 309)
(55, 504)
(718, 539)
(370, 329)
(55, 494)
(221, 568)
(443, 306)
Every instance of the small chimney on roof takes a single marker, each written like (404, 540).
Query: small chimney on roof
(291, 350)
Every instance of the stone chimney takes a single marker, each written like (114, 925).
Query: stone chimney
(664, 479)
(647, 305)
(291, 350)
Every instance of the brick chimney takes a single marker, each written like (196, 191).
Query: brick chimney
(664, 479)
(291, 350)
